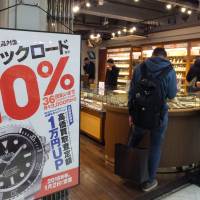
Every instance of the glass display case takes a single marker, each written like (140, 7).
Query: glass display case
(181, 102)
(92, 100)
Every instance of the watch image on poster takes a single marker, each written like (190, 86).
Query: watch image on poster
(39, 113)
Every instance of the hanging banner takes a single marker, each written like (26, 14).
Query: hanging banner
(39, 113)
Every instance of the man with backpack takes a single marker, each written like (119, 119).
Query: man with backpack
(153, 82)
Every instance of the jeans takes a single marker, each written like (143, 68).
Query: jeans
(156, 139)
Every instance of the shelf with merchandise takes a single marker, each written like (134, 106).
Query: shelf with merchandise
(122, 58)
(118, 50)
(178, 56)
(147, 54)
(123, 73)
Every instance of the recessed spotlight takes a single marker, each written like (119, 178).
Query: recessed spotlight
(134, 28)
(125, 30)
(88, 4)
(183, 10)
(189, 12)
(136, 0)
(119, 32)
(169, 6)
(100, 2)
(76, 9)
(92, 36)
(98, 35)
(113, 34)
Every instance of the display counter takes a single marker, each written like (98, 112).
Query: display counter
(182, 142)
(92, 115)
(93, 123)
(105, 118)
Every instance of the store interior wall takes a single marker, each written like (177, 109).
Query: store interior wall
(84, 53)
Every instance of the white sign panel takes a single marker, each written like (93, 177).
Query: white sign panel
(39, 112)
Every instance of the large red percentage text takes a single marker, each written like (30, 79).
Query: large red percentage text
(24, 72)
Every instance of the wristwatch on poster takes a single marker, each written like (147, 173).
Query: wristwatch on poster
(23, 154)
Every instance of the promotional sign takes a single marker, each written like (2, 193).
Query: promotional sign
(39, 113)
(102, 88)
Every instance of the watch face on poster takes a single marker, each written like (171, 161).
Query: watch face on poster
(21, 160)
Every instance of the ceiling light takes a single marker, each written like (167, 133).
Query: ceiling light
(98, 35)
(113, 34)
(101, 2)
(125, 30)
(92, 36)
(136, 0)
(183, 10)
(76, 9)
(119, 32)
(169, 6)
(189, 12)
(134, 28)
(88, 4)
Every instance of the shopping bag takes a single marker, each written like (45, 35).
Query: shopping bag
(131, 163)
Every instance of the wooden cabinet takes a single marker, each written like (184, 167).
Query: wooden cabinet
(181, 146)
(92, 123)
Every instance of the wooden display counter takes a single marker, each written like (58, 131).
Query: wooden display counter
(182, 142)
(93, 123)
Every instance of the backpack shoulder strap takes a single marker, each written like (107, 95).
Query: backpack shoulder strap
(143, 70)
(164, 72)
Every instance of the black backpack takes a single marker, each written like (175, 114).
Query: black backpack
(149, 100)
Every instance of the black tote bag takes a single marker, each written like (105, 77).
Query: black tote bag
(131, 163)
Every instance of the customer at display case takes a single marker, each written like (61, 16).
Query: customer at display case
(153, 82)
(193, 77)
(89, 69)
(112, 74)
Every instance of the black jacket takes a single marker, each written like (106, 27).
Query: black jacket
(194, 72)
(111, 78)
(90, 70)
(193, 77)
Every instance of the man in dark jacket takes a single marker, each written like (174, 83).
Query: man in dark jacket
(193, 76)
(112, 74)
(89, 68)
(155, 65)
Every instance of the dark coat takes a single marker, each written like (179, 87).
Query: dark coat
(90, 70)
(193, 76)
(111, 78)
(194, 71)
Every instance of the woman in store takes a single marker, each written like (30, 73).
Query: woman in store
(193, 77)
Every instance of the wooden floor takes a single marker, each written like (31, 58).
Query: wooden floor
(97, 181)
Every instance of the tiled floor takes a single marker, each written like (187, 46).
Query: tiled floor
(189, 193)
